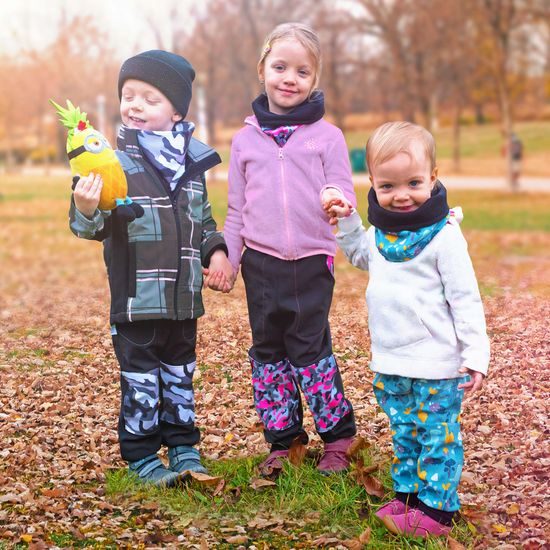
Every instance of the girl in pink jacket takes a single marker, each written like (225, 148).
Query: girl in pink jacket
(281, 161)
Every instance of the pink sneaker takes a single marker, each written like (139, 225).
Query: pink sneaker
(334, 458)
(271, 467)
(392, 508)
(415, 523)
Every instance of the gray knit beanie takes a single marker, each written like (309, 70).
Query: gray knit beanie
(172, 74)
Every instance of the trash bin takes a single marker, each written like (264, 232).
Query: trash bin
(357, 160)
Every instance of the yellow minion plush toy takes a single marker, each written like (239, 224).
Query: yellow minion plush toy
(89, 151)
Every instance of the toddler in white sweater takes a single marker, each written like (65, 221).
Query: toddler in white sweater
(426, 321)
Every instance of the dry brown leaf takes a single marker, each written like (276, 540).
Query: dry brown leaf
(297, 452)
(352, 544)
(512, 509)
(357, 445)
(453, 544)
(261, 483)
(237, 539)
(364, 537)
(372, 485)
(219, 488)
(326, 540)
(205, 479)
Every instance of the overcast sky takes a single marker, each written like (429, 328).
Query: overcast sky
(34, 23)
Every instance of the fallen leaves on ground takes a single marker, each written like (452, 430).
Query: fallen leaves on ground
(59, 398)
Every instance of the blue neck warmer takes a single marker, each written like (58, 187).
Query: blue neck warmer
(166, 150)
(406, 245)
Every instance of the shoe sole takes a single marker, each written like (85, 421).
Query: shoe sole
(176, 481)
(390, 525)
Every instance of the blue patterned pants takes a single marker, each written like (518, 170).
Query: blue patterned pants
(427, 444)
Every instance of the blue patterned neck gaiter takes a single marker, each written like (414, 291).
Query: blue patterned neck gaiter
(166, 150)
(406, 245)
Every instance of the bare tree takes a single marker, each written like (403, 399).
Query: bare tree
(412, 38)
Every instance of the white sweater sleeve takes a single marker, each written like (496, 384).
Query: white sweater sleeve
(462, 295)
(353, 239)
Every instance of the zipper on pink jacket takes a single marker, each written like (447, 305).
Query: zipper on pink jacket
(291, 251)
(285, 204)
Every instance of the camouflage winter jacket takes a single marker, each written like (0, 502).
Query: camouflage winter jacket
(154, 262)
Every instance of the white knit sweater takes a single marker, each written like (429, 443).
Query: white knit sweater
(426, 318)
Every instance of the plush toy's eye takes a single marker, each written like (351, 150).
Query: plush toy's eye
(94, 144)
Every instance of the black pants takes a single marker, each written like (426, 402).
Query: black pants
(157, 362)
(288, 306)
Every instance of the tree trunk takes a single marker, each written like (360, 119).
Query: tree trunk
(507, 130)
(456, 138)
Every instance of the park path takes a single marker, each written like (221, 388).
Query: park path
(451, 182)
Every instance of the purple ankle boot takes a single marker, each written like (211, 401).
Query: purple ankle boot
(415, 523)
(334, 458)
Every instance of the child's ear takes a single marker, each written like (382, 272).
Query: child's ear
(371, 180)
(261, 77)
(433, 177)
(176, 117)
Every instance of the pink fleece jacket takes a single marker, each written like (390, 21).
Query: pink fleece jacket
(274, 192)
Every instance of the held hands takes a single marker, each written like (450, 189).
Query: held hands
(335, 205)
(219, 274)
(475, 382)
(86, 194)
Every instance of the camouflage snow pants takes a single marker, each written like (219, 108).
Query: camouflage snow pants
(157, 362)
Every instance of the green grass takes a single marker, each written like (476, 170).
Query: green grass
(484, 210)
(303, 501)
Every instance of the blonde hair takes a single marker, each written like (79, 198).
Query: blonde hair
(304, 34)
(393, 138)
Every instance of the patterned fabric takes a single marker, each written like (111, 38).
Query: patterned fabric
(178, 400)
(166, 150)
(275, 394)
(277, 398)
(427, 444)
(140, 404)
(141, 398)
(281, 134)
(324, 392)
(406, 245)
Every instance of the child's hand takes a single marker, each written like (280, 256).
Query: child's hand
(475, 382)
(335, 205)
(86, 194)
(219, 274)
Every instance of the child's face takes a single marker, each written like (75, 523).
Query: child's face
(144, 107)
(289, 74)
(404, 182)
